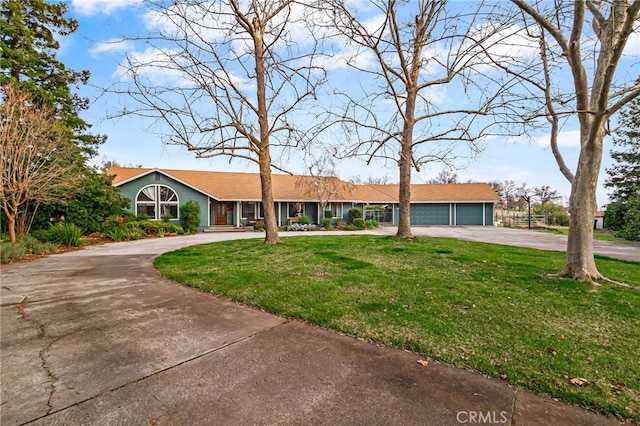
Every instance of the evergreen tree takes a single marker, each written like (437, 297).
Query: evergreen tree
(624, 177)
(28, 47)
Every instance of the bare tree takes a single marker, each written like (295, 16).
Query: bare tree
(414, 50)
(589, 56)
(546, 194)
(34, 159)
(371, 180)
(323, 181)
(228, 78)
(445, 176)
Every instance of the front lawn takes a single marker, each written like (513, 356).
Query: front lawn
(482, 306)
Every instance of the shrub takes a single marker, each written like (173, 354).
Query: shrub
(371, 224)
(258, 226)
(150, 227)
(28, 244)
(326, 223)
(350, 227)
(12, 251)
(328, 214)
(555, 214)
(358, 222)
(94, 200)
(304, 220)
(167, 217)
(354, 214)
(44, 248)
(126, 232)
(190, 212)
(68, 234)
(301, 227)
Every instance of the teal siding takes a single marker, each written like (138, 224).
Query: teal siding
(469, 214)
(131, 189)
(430, 214)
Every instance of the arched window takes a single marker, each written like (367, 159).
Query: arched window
(157, 201)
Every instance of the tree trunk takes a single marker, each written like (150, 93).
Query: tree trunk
(404, 196)
(270, 222)
(404, 164)
(11, 224)
(582, 208)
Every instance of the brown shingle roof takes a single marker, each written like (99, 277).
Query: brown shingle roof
(246, 186)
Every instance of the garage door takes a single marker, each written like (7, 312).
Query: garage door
(469, 214)
(430, 214)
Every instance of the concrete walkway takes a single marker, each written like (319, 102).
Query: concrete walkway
(96, 336)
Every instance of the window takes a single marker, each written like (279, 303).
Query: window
(336, 209)
(248, 210)
(251, 210)
(296, 209)
(157, 201)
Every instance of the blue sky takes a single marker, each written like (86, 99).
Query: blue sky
(135, 141)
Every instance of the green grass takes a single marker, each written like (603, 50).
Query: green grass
(487, 307)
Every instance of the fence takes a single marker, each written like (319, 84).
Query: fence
(537, 220)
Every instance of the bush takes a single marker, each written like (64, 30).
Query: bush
(15, 251)
(354, 214)
(328, 214)
(152, 227)
(167, 217)
(95, 199)
(12, 251)
(68, 234)
(304, 220)
(350, 227)
(190, 212)
(631, 229)
(555, 214)
(301, 227)
(358, 222)
(258, 226)
(125, 232)
(326, 223)
(371, 224)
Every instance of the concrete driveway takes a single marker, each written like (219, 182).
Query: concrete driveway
(96, 336)
(525, 238)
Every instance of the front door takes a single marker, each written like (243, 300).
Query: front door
(221, 214)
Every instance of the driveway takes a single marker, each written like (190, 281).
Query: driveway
(525, 238)
(96, 336)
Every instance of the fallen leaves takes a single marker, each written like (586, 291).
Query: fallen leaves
(423, 362)
(577, 381)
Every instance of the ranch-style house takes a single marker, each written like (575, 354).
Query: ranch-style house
(230, 199)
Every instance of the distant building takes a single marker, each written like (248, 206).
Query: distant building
(598, 222)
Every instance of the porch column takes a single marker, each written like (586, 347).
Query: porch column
(484, 214)
(238, 214)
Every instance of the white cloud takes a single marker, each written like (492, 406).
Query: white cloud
(154, 64)
(111, 46)
(569, 138)
(632, 48)
(101, 7)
